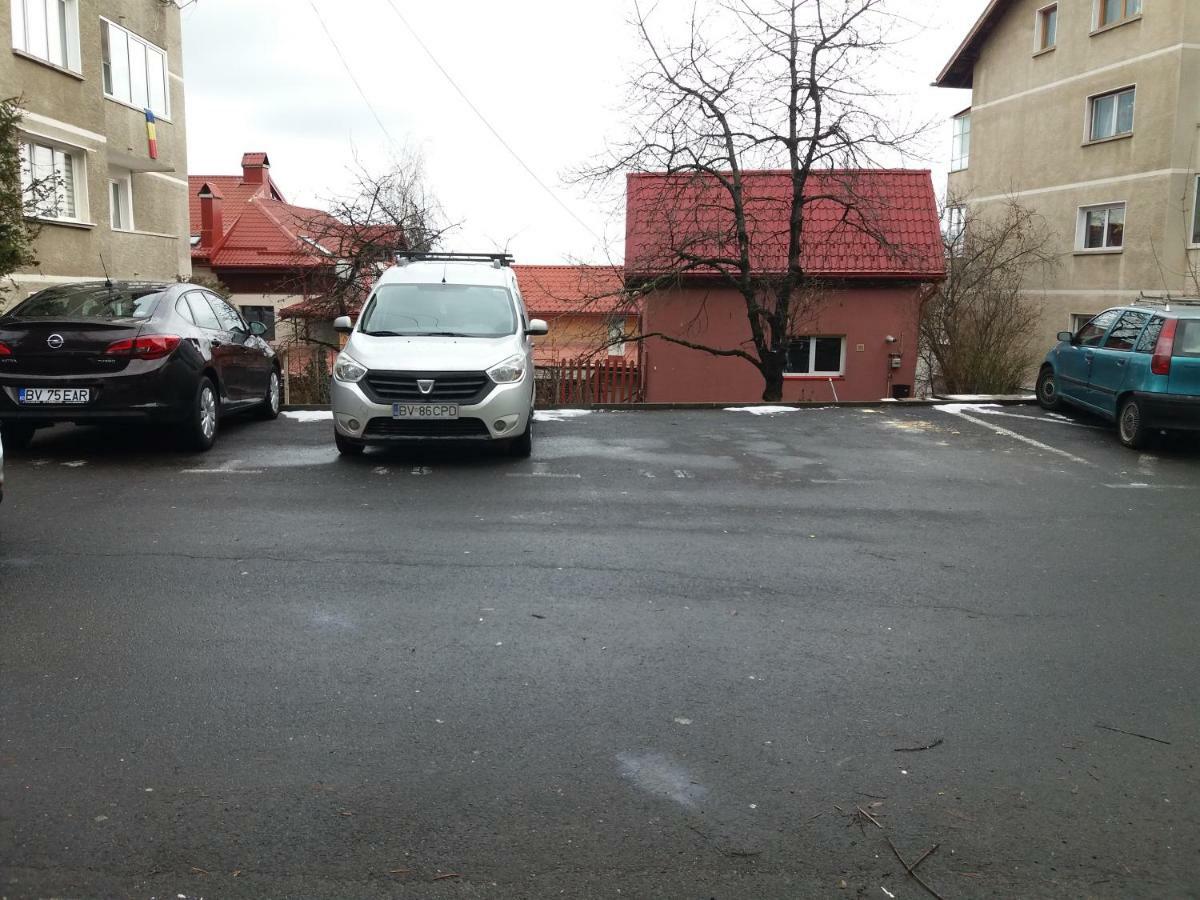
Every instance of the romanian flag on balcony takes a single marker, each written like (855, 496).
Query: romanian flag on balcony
(152, 134)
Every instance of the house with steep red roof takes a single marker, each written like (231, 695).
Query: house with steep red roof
(871, 239)
(245, 234)
(586, 310)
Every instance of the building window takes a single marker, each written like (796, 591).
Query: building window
(1110, 12)
(956, 227)
(1111, 115)
(264, 314)
(823, 356)
(1102, 227)
(49, 30)
(616, 337)
(134, 71)
(1047, 27)
(1196, 216)
(120, 202)
(51, 181)
(960, 147)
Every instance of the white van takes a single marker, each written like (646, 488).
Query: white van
(441, 351)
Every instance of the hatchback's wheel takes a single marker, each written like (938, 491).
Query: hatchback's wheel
(269, 408)
(200, 432)
(522, 447)
(1047, 390)
(16, 436)
(1131, 425)
(347, 446)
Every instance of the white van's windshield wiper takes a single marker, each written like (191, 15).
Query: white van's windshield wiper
(384, 334)
(440, 334)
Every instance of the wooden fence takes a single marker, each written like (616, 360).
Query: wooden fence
(589, 380)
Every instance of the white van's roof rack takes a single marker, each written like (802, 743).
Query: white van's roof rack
(498, 260)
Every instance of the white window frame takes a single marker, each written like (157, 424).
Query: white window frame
(956, 226)
(812, 357)
(1039, 28)
(1098, 11)
(1081, 227)
(77, 158)
(1090, 117)
(22, 14)
(164, 114)
(123, 181)
(960, 162)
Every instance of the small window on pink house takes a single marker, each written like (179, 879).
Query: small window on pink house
(616, 338)
(816, 356)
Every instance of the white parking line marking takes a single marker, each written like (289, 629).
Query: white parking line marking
(1004, 432)
(76, 464)
(542, 475)
(683, 473)
(422, 470)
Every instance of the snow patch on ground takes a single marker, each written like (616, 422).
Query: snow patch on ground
(309, 415)
(559, 415)
(988, 398)
(765, 410)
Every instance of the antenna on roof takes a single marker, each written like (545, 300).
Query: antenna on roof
(107, 281)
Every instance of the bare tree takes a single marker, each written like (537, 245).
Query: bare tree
(978, 325)
(342, 251)
(785, 85)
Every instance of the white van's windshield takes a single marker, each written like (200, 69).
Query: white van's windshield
(439, 310)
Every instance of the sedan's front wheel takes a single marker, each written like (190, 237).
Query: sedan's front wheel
(201, 429)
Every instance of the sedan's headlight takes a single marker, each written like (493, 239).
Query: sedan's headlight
(348, 370)
(510, 371)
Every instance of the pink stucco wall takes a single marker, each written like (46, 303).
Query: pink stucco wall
(717, 317)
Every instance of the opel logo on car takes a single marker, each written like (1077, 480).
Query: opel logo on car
(55, 341)
(425, 386)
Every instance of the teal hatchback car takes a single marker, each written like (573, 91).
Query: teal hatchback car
(1138, 366)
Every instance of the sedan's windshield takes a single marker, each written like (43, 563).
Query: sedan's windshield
(91, 302)
(451, 310)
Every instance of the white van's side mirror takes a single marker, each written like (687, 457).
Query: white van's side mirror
(343, 325)
(537, 327)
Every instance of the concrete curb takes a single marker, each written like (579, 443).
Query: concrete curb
(667, 407)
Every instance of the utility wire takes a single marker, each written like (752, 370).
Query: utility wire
(338, 50)
(482, 118)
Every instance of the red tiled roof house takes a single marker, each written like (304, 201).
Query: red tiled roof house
(585, 310)
(246, 234)
(871, 238)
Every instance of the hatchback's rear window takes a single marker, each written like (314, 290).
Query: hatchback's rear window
(1187, 338)
(91, 302)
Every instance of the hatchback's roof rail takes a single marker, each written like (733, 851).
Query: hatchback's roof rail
(1166, 302)
(498, 260)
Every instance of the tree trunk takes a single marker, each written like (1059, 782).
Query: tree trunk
(772, 381)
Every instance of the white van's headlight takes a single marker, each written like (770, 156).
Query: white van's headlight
(508, 372)
(346, 369)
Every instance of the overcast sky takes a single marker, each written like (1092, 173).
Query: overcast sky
(549, 75)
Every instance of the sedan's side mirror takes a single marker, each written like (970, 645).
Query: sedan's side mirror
(537, 327)
(258, 329)
(343, 325)
(1066, 336)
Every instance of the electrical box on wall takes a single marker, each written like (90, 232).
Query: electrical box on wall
(895, 360)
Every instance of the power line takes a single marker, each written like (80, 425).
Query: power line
(482, 118)
(350, 72)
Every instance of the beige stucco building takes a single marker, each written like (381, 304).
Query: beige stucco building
(87, 72)
(1087, 111)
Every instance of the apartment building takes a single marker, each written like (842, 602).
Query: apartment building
(101, 86)
(1086, 111)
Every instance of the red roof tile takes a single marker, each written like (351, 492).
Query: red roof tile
(867, 223)
(554, 290)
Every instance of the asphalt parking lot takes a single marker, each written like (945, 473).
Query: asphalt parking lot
(676, 654)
